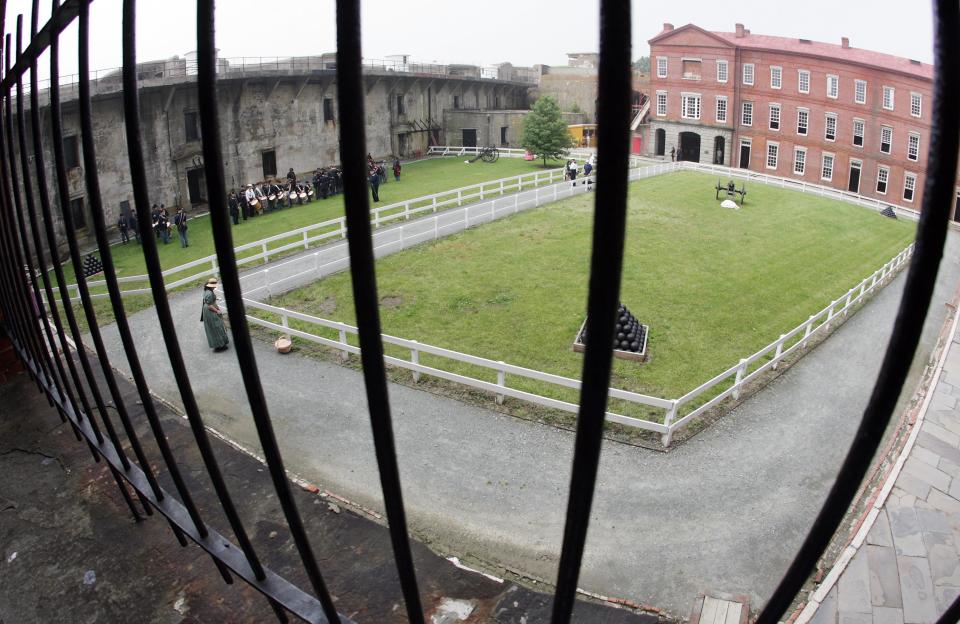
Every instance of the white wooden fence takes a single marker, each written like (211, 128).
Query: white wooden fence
(737, 376)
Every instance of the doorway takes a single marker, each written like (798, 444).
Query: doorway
(196, 186)
(718, 151)
(469, 137)
(690, 146)
(744, 153)
(854, 185)
(661, 142)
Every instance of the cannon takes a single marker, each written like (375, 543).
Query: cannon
(487, 155)
(730, 190)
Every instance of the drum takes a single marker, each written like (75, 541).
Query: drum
(310, 192)
(271, 197)
(301, 195)
(254, 202)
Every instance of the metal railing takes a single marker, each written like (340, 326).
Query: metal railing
(37, 330)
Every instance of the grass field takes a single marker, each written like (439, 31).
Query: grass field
(418, 179)
(714, 285)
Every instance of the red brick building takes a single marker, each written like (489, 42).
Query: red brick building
(828, 114)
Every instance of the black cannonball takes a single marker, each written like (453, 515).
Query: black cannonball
(635, 346)
(624, 345)
(620, 336)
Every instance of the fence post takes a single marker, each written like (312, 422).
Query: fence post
(306, 244)
(740, 372)
(266, 256)
(668, 423)
(806, 332)
(459, 197)
(434, 203)
(415, 359)
(406, 211)
(344, 355)
(481, 191)
(376, 219)
(502, 382)
(501, 187)
(213, 266)
(343, 227)
(776, 357)
(830, 314)
(285, 322)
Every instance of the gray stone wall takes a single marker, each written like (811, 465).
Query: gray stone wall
(707, 134)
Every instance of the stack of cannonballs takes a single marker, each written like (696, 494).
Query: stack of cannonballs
(628, 333)
(91, 265)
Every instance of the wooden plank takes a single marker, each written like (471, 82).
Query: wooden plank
(710, 608)
(733, 613)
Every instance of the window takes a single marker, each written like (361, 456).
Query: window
(748, 74)
(776, 77)
(191, 126)
(916, 104)
(833, 86)
(799, 160)
(691, 105)
(71, 154)
(661, 103)
(328, 109)
(503, 135)
(721, 109)
(401, 109)
(774, 116)
(830, 129)
(826, 171)
(773, 150)
(858, 132)
(883, 174)
(803, 121)
(721, 71)
(886, 139)
(456, 101)
(269, 160)
(78, 213)
(909, 186)
(888, 98)
(860, 91)
(803, 81)
(661, 67)
(913, 146)
(746, 118)
(691, 69)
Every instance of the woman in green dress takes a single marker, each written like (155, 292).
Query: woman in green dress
(212, 318)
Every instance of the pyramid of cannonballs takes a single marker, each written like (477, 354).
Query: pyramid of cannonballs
(92, 265)
(628, 334)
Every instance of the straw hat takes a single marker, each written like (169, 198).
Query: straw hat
(283, 344)
(212, 283)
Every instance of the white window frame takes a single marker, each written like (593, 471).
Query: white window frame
(776, 70)
(684, 96)
(893, 93)
(726, 71)
(886, 130)
(886, 179)
(797, 151)
(774, 106)
(826, 126)
(801, 74)
(665, 65)
(823, 163)
(913, 152)
(743, 113)
(857, 91)
(776, 154)
(753, 72)
(916, 98)
(833, 81)
(716, 109)
(806, 128)
(664, 113)
(863, 130)
(912, 177)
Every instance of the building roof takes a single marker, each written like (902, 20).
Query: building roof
(833, 51)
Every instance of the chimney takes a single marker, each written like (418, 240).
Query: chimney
(667, 26)
(845, 42)
(739, 31)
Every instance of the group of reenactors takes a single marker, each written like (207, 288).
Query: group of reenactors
(273, 193)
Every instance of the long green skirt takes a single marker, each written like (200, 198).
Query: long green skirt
(212, 323)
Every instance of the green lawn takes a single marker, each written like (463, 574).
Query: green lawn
(714, 285)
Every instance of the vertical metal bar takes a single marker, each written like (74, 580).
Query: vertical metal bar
(350, 92)
(223, 240)
(138, 178)
(917, 294)
(606, 266)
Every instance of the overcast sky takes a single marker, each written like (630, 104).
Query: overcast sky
(481, 32)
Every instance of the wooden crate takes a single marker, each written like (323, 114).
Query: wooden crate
(642, 356)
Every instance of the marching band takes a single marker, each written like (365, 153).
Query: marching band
(271, 194)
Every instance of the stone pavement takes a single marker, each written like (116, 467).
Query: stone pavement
(725, 511)
(907, 569)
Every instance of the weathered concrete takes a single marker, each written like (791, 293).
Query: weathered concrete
(70, 552)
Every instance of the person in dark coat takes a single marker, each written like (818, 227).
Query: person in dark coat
(234, 207)
(375, 182)
(292, 177)
(180, 220)
(122, 226)
(155, 220)
(212, 318)
(396, 169)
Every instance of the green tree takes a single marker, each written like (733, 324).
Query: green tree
(545, 132)
(642, 65)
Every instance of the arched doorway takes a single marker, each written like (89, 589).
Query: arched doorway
(660, 142)
(718, 150)
(690, 146)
